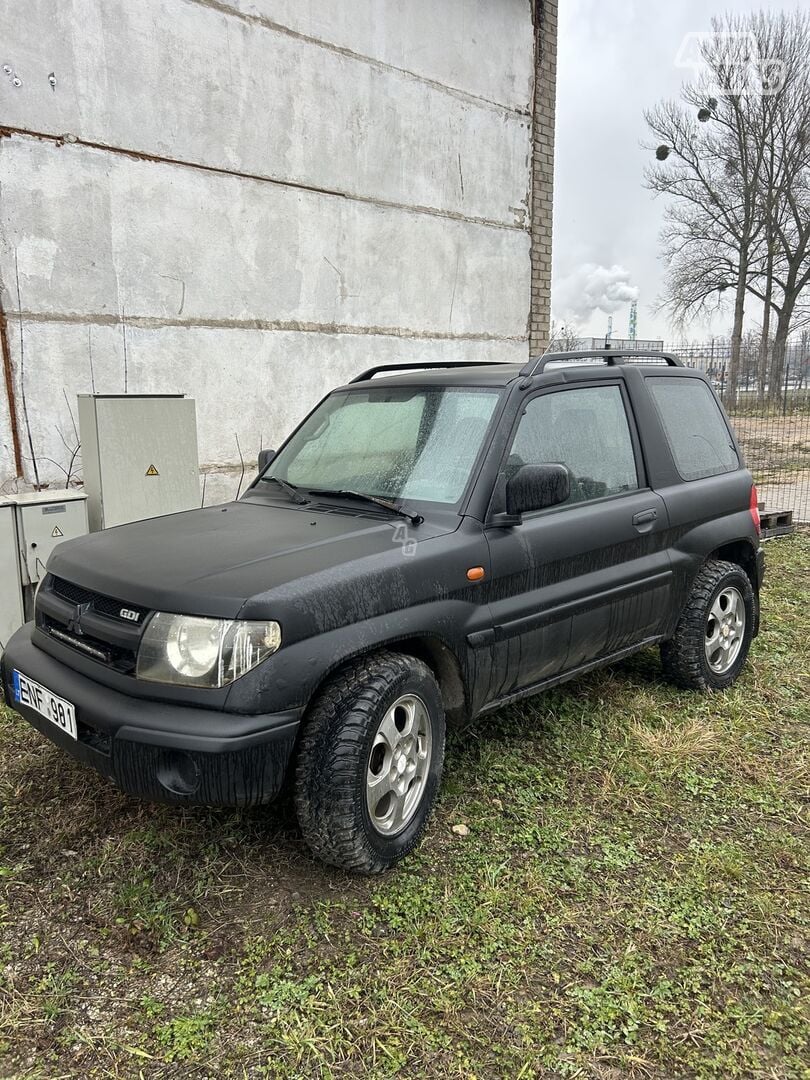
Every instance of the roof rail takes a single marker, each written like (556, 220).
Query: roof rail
(371, 372)
(537, 364)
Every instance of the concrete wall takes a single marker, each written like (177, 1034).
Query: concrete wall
(251, 200)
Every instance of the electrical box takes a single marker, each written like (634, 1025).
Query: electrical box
(31, 526)
(139, 453)
(11, 601)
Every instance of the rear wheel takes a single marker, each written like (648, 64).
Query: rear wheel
(370, 762)
(711, 642)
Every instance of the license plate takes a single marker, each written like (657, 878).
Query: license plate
(53, 708)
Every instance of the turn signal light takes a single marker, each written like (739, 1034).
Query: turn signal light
(476, 573)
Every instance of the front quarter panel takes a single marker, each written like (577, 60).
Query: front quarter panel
(401, 594)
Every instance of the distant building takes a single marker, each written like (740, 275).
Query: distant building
(636, 344)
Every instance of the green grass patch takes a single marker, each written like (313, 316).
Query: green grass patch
(630, 901)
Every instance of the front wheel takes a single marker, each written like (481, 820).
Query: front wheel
(370, 762)
(713, 636)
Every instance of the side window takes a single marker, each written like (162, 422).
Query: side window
(694, 426)
(585, 429)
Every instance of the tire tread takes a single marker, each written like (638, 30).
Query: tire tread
(682, 656)
(330, 753)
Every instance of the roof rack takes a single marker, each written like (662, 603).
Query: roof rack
(537, 364)
(372, 371)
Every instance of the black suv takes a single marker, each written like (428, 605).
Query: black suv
(431, 544)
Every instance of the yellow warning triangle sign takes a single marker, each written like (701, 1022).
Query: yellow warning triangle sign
(57, 531)
(152, 471)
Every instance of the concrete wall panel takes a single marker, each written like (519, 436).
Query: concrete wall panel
(477, 46)
(89, 233)
(6, 453)
(183, 80)
(251, 384)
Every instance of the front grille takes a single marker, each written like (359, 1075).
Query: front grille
(89, 646)
(91, 623)
(68, 591)
(112, 656)
(103, 605)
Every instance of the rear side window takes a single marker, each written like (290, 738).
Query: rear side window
(696, 431)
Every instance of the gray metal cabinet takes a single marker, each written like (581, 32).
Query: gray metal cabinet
(11, 605)
(46, 519)
(139, 454)
(31, 526)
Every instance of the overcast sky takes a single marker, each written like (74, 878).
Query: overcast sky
(616, 58)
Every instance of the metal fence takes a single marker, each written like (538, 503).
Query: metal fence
(771, 418)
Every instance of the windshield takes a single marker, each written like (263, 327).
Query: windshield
(405, 444)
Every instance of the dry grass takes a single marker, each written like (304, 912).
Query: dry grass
(678, 741)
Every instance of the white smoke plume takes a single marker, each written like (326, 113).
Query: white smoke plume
(591, 288)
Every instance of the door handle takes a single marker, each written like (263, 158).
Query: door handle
(645, 517)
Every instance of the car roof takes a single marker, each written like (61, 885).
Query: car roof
(496, 375)
(455, 373)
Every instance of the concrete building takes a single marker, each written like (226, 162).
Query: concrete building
(251, 200)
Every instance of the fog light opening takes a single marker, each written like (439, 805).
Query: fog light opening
(178, 772)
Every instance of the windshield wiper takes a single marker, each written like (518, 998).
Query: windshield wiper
(395, 508)
(291, 489)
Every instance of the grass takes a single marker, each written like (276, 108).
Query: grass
(630, 901)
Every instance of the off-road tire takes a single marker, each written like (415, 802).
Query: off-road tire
(683, 657)
(333, 757)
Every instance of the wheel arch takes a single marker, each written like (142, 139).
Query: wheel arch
(741, 552)
(432, 651)
(445, 665)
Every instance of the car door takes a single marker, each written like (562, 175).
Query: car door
(591, 578)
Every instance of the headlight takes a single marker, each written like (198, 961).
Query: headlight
(190, 651)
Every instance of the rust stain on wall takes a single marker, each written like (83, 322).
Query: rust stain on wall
(11, 397)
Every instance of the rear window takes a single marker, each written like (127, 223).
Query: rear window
(695, 428)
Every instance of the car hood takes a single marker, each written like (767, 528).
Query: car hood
(211, 561)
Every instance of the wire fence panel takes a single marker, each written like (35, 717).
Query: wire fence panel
(771, 418)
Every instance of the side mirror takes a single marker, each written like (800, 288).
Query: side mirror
(534, 487)
(265, 457)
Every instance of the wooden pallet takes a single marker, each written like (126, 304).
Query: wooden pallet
(776, 523)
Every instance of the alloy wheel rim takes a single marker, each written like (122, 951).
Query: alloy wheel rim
(398, 765)
(725, 629)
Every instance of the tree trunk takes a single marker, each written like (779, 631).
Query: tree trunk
(737, 331)
(776, 375)
(764, 347)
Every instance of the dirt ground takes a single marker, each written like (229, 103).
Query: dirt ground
(777, 451)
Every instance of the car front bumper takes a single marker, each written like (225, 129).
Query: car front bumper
(159, 751)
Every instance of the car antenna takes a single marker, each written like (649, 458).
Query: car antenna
(525, 382)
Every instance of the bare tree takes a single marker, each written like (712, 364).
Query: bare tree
(788, 217)
(782, 125)
(564, 337)
(709, 169)
(749, 356)
(732, 157)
